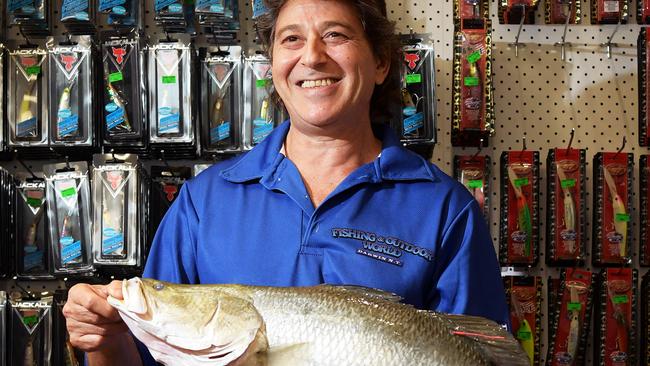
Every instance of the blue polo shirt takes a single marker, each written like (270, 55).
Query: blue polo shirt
(398, 224)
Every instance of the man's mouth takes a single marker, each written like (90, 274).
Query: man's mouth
(316, 83)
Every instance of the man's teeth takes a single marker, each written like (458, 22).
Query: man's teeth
(317, 83)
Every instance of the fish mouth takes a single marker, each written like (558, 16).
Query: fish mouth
(134, 298)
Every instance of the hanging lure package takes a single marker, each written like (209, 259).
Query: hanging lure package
(570, 322)
(32, 237)
(199, 168)
(642, 12)
(261, 114)
(609, 11)
(643, 51)
(78, 16)
(68, 212)
(170, 87)
(221, 73)
(566, 208)
(123, 120)
(474, 173)
(119, 14)
(645, 320)
(166, 182)
(27, 96)
(611, 224)
(473, 102)
(557, 11)
(31, 16)
(3, 328)
(616, 317)
(259, 8)
(219, 20)
(62, 351)
(174, 16)
(30, 331)
(71, 98)
(644, 211)
(471, 13)
(519, 208)
(417, 124)
(117, 203)
(512, 11)
(524, 296)
(7, 223)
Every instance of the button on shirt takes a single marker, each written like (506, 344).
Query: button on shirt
(398, 224)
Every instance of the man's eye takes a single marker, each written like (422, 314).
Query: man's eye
(335, 35)
(290, 39)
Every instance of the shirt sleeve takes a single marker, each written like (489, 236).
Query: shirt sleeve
(469, 279)
(172, 257)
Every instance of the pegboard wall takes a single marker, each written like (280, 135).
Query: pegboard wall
(537, 95)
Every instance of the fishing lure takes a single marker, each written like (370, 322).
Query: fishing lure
(524, 222)
(121, 120)
(569, 208)
(618, 208)
(26, 124)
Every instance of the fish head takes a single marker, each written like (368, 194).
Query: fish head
(190, 322)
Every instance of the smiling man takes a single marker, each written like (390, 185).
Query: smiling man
(329, 197)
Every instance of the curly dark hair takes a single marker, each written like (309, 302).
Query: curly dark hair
(380, 33)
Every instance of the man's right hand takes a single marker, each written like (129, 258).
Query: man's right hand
(92, 322)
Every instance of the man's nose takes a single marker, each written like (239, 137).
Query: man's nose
(314, 53)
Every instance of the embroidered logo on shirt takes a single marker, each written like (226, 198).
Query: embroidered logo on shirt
(384, 248)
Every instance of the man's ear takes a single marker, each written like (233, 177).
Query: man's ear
(383, 67)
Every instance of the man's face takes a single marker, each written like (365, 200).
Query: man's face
(323, 66)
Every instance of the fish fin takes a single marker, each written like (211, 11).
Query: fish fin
(496, 343)
(293, 354)
(367, 291)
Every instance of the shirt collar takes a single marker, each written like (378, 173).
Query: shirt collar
(394, 163)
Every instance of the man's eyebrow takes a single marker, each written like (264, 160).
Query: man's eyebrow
(328, 24)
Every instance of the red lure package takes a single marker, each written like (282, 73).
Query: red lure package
(609, 11)
(566, 212)
(556, 11)
(474, 173)
(511, 11)
(645, 320)
(643, 12)
(471, 13)
(571, 318)
(524, 296)
(611, 224)
(519, 208)
(643, 52)
(473, 109)
(644, 205)
(615, 325)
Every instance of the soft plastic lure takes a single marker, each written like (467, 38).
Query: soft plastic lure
(524, 221)
(569, 208)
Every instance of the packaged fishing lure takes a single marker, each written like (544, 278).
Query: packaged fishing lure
(166, 182)
(519, 208)
(609, 11)
(473, 115)
(417, 124)
(30, 331)
(117, 201)
(642, 12)
(512, 11)
(221, 74)
(3, 328)
(123, 120)
(643, 51)
(78, 16)
(259, 8)
(616, 317)
(62, 351)
(172, 16)
(557, 11)
(7, 223)
(69, 215)
(645, 320)
(524, 296)
(31, 16)
(27, 96)
(261, 114)
(170, 87)
(471, 13)
(566, 207)
(474, 173)
(612, 229)
(32, 236)
(71, 98)
(571, 319)
(219, 20)
(644, 211)
(119, 14)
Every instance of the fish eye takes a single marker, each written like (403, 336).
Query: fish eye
(158, 286)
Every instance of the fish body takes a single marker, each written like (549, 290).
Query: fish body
(321, 325)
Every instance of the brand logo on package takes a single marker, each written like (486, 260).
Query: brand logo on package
(387, 249)
(28, 61)
(411, 60)
(68, 61)
(119, 53)
(220, 72)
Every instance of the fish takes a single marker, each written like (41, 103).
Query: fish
(323, 325)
